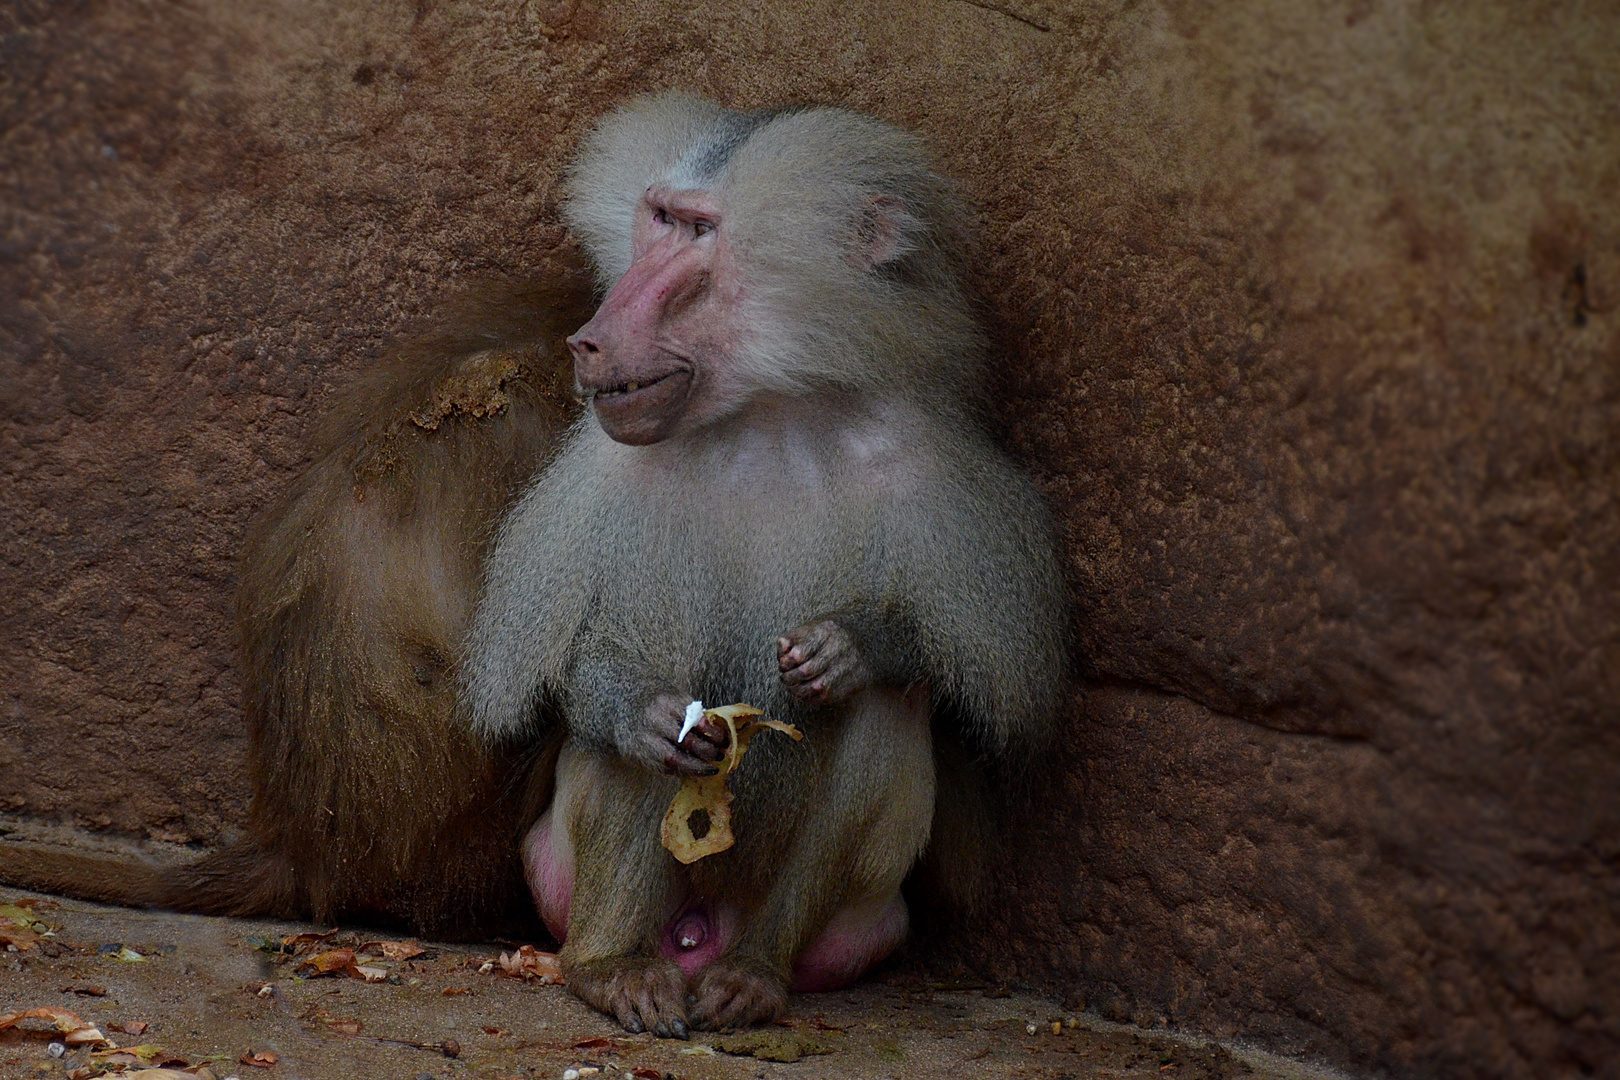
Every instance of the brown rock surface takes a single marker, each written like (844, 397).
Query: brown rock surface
(1309, 315)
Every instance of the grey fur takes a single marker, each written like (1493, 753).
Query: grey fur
(851, 484)
(961, 560)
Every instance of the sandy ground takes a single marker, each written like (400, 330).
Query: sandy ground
(211, 992)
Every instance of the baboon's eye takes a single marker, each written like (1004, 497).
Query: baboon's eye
(701, 228)
(661, 216)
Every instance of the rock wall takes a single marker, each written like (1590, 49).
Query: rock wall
(1308, 317)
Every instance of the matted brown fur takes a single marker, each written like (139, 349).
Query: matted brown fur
(371, 796)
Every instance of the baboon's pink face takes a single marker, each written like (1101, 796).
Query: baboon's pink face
(653, 358)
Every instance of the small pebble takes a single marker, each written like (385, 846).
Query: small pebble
(1071, 1023)
(1057, 1027)
(56, 1049)
(486, 967)
(570, 1074)
(1030, 1029)
(267, 990)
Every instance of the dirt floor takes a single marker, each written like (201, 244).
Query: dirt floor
(231, 997)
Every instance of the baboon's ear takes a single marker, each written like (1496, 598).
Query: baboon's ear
(880, 232)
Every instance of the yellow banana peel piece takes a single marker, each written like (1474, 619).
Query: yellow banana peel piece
(699, 818)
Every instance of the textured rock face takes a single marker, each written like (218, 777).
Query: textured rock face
(1308, 317)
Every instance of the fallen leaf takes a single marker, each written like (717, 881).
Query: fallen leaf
(370, 974)
(295, 940)
(133, 1027)
(698, 823)
(62, 1018)
(85, 1036)
(75, 1032)
(158, 1074)
(19, 916)
(498, 1032)
(344, 1026)
(86, 991)
(14, 935)
(393, 950)
(327, 963)
(263, 1059)
(530, 963)
(126, 954)
(592, 1044)
(145, 1054)
(454, 991)
(642, 1072)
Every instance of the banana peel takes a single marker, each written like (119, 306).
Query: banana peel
(699, 820)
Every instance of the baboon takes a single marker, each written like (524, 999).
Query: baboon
(372, 798)
(784, 497)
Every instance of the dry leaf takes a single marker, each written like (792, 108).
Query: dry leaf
(62, 1018)
(158, 1074)
(146, 1054)
(344, 1026)
(328, 963)
(393, 950)
(530, 963)
(75, 1031)
(15, 935)
(21, 917)
(133, 1027)
(295, 940)
(85, 1036)
(699, 819)
(263, 1059)
(370, 974)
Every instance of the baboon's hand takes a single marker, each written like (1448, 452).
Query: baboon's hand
(821, 665)
(655, 744)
